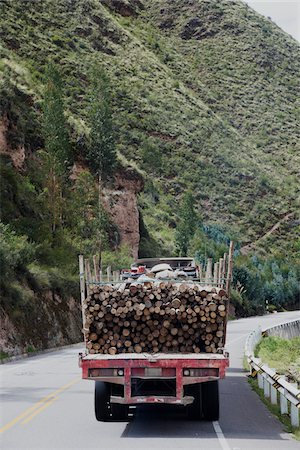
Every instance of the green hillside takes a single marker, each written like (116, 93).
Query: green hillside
(205, 98)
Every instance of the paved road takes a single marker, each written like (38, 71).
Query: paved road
(45, 405)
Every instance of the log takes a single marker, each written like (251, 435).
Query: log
(156, 317)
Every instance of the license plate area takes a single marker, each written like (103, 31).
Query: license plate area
(153, 372)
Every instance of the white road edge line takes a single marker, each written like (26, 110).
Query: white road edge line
(220, 436)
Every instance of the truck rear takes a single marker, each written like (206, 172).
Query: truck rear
(154, 341)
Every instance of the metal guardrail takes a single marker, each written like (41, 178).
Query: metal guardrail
(275, 386)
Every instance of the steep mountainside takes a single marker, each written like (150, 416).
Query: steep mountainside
(205, 96)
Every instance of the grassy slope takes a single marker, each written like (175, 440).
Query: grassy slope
(221, 106)
(282, 354)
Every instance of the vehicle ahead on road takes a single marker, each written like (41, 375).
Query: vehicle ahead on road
(180, 378)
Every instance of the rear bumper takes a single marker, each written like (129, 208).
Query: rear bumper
(174, 384)
(187, 400)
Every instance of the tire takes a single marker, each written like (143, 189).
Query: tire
(119, 412)
(102, 401)
(210, 400)
(194, 411)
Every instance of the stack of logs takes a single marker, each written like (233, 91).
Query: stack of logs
(155, 317)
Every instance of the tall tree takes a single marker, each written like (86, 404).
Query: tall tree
(55, 128)
(57, 153)
(101, 151)
(187, 221)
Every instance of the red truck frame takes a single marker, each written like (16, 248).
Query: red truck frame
(189, 380)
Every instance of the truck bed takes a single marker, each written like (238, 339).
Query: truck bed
(155, 356)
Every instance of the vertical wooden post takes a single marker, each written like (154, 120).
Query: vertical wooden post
(224, 271)
(208, 274)
(200, 273)
(108, 271)
(87, 280)
(216, 273)
(82, 292)
(88, 270)
(95, 264)
(221, 261)
(229, 271)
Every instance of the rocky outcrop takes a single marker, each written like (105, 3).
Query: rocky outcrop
(120, 202)
(49, 322)
(125, 8)
(121, 205)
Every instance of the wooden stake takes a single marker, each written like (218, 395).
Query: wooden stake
(208, 274)
(82, 293)
(108, 272)
(216, 273)
(88, 269)
(221, 261)
(95, 268)
(229, 271)
(224, 270)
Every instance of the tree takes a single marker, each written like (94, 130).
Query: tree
(187, 221)
(57, 154)
(101, 153)
(55, 131)
(83, 213)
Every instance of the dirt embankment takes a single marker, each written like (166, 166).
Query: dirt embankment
(47, 322)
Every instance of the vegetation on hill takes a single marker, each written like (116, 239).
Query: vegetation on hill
(203, 97)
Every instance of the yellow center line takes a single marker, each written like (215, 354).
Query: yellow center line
(37, 411)
(40, 403)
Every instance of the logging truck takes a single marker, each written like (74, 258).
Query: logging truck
(155, 340)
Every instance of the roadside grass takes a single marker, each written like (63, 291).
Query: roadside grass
(275, 410)
(281, 354)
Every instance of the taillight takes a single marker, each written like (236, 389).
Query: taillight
(95, 373)
(201, 372)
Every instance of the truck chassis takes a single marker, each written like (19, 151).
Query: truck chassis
(189, 380)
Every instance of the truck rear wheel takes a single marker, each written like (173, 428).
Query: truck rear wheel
(194, 410)
(102, 403)
(210, 400)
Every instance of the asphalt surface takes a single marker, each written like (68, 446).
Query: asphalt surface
(45, 405)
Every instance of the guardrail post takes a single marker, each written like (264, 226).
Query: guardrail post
(283, 404)
(273, 395)
(294, 415)
(260, 381)
(266, 388)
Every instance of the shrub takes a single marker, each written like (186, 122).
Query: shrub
(15, 252)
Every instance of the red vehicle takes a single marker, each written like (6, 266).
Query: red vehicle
(183, 379)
